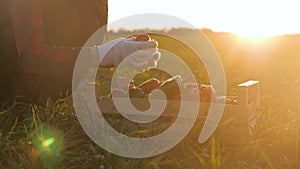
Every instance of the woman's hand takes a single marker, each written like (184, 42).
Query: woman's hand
(141, 55)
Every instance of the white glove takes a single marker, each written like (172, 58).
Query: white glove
(143, 54)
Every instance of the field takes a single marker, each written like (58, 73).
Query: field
(48, 134)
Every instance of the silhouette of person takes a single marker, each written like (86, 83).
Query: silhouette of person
(42, 39)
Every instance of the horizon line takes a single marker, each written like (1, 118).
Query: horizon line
(165, 29)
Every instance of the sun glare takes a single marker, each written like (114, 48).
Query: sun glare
(252, 37)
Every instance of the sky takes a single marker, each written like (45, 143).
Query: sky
(246, 18)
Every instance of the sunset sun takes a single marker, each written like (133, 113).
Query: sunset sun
(253, 37)
(257, 33)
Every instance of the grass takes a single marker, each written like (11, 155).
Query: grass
(48, 135)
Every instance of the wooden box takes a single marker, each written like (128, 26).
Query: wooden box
(238, 119)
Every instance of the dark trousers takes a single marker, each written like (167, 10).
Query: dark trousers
(32, 87)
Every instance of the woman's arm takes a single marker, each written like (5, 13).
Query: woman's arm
(35, 56)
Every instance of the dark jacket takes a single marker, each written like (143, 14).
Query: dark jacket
(44, 38)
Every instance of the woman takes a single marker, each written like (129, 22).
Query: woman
(49, 35)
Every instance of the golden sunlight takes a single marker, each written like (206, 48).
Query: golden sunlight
(254, 37)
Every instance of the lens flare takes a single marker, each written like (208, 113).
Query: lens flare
(47, 145)
(48, 142)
